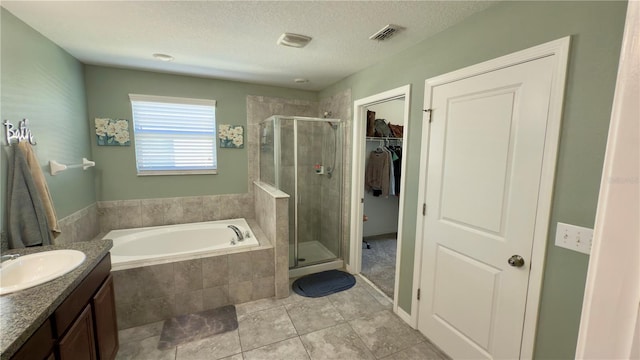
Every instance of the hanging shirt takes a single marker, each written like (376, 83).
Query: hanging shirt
(376, 176)
(397, 166)
(392, 178)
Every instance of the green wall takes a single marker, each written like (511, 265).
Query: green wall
(43, 83)
(108, 92)
(596, 31)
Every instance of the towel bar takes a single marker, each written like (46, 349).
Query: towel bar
(55, 167)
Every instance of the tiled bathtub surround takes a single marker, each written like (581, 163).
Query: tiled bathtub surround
(128, 214)
(83, 225)
(157, 292)
(152, 293)
(272, 215)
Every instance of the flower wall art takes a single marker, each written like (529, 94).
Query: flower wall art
(110, 132)
(231, 136)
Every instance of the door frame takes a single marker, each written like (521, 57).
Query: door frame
(613, 278)
(559, 49)
(357, 177)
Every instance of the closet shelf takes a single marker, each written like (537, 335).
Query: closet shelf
(378, 138)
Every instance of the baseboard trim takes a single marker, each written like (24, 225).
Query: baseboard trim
(406, 317)
(393, 235)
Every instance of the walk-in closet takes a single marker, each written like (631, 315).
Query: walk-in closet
(382, 183)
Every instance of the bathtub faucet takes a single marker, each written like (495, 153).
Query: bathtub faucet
(237, 231)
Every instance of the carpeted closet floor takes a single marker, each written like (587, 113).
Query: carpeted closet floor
(379, 262)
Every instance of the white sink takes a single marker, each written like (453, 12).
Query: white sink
(30, 270)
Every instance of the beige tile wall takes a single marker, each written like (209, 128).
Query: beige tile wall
(127, 214)
(83, 225)
(272, 216)
(259, 108)
(153, 293)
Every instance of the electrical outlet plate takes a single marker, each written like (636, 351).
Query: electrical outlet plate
(576, 238)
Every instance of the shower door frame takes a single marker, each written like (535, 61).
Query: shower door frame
(277, 153)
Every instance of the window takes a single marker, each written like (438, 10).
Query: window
(174, 136)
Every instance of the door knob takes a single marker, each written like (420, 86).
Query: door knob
(516, 261)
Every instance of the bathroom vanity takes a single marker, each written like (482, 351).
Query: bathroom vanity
(71, 317)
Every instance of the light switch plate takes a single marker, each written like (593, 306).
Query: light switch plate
(574, 237)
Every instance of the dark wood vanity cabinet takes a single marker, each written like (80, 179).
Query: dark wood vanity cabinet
(104, 315)
(79, 341)
(39, 346)
(83, 326)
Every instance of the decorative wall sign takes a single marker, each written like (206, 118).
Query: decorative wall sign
(231, 136)
(110, 132)
(20, 133)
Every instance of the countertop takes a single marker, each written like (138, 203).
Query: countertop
(22, 312)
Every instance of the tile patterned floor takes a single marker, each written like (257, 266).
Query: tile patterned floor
(354, 324)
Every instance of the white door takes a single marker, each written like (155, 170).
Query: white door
(486, 146)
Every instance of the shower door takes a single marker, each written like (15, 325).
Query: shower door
(315, 199)
(303, 158)
(317, 192)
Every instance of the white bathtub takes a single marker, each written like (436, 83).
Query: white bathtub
(163, 244)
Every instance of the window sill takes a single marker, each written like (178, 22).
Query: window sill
(178, 172)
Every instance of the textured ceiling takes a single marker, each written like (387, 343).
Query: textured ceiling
(236, 40)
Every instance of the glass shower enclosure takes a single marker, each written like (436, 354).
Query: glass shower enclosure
(302, 157)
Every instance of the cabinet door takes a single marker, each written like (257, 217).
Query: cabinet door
(39, 345)
(79, 341)
(104, 310)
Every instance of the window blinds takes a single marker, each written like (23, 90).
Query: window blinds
(174, 135)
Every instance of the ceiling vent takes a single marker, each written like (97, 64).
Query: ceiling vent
(386, 32)
(293, 40)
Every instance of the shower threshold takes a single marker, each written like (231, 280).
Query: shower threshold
(316, 257)
(312, 269)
